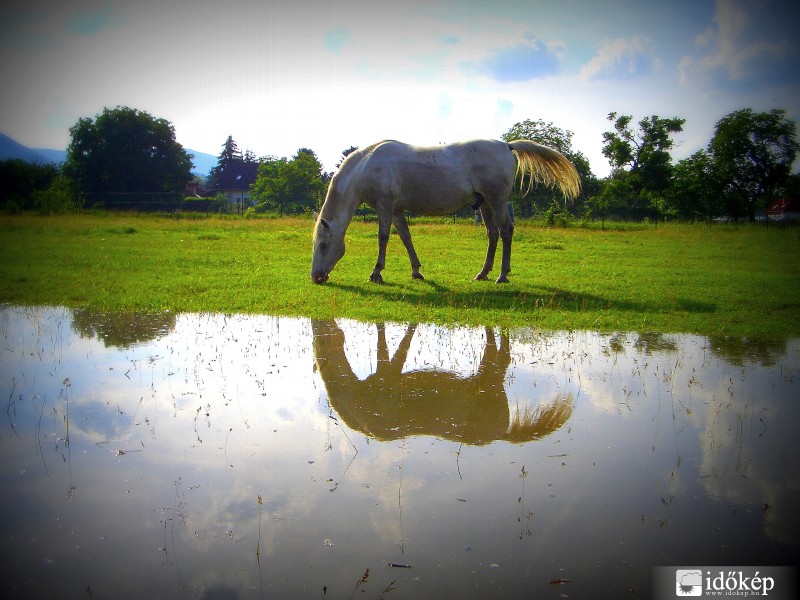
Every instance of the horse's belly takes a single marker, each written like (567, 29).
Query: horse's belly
(435, 201)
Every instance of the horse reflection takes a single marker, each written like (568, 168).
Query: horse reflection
(390, 404)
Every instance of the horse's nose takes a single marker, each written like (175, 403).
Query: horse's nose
(319, 277)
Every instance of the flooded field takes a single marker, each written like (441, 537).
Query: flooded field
(214, 456)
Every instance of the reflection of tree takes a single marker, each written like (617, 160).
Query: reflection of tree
(391, 404)
(122, 329)
(739, 351)
(650, 342)
(647, 342)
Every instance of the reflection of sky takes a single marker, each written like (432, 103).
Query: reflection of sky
(172, 441)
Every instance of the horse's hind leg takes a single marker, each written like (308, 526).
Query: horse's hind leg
(493, 234)
(401, 225)
(506, 227)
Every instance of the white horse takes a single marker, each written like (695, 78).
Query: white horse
(393, 177)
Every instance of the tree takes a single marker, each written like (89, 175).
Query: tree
(753, 154)
(290, 186)
(230, 155)
(21, 183)
(543, 199)
(641, 157)
(126, 151)
(694, 192)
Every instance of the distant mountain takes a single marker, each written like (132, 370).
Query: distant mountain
(51, 156)
(9, 148)
(203, 163)
(12, 149)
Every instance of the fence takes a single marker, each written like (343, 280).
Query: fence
(140, 202)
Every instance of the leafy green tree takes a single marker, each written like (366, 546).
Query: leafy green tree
(22, 181)
(613, 200)
(753, 154)
(57, 198)
(271, 187)
(694, 192)
(640, 156)
(127, 151)
(542, 199)
(290, 185)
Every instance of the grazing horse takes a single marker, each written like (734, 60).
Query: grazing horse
(393, 177)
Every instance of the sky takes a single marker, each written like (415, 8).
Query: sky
(327, 75)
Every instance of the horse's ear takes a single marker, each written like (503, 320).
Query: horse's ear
(324, 224)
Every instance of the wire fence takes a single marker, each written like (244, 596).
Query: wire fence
(140, 202)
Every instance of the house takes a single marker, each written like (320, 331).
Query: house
(234, 183)
(785, 209)
(195, 189)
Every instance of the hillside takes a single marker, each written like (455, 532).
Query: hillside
(10, 148)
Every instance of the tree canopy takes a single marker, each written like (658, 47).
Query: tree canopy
(126, 151)
(753, 155)
(293, 186)
(641, 164)
(22, 181)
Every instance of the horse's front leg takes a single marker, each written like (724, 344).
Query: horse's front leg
(401, 225)
(493, 234)
(384, 226)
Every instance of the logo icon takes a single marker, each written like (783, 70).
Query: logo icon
(688, 582)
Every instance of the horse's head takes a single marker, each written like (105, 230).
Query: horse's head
(328, 249)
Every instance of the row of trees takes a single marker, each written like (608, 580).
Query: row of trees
(746, 166)
(124, 153)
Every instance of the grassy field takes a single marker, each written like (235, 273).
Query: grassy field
(720, 280)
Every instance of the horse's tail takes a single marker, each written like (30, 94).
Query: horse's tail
(547, 166)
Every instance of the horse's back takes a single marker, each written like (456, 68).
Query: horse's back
(435, 179)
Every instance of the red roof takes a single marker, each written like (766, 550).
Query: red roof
(784, 205)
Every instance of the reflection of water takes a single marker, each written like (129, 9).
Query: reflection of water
(134, 467)
(391, 403)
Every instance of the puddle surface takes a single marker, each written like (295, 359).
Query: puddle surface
(206, 456)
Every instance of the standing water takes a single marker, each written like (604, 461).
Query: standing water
(209, 455)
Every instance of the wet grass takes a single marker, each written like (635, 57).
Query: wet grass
(720, 280)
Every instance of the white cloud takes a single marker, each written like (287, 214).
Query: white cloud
(621, 58)
(747, 42)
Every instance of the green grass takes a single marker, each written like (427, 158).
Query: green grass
(720, 280)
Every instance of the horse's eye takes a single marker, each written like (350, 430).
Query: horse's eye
(323, 247)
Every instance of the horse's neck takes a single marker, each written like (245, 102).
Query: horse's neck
(341, 203)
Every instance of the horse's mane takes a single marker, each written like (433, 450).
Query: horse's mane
(352, 160)
(349, 165)
(341, 179)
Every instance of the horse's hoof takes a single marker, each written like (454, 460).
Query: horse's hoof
(480, 277)
(376, 278)
(501, 279)
(417, 276)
